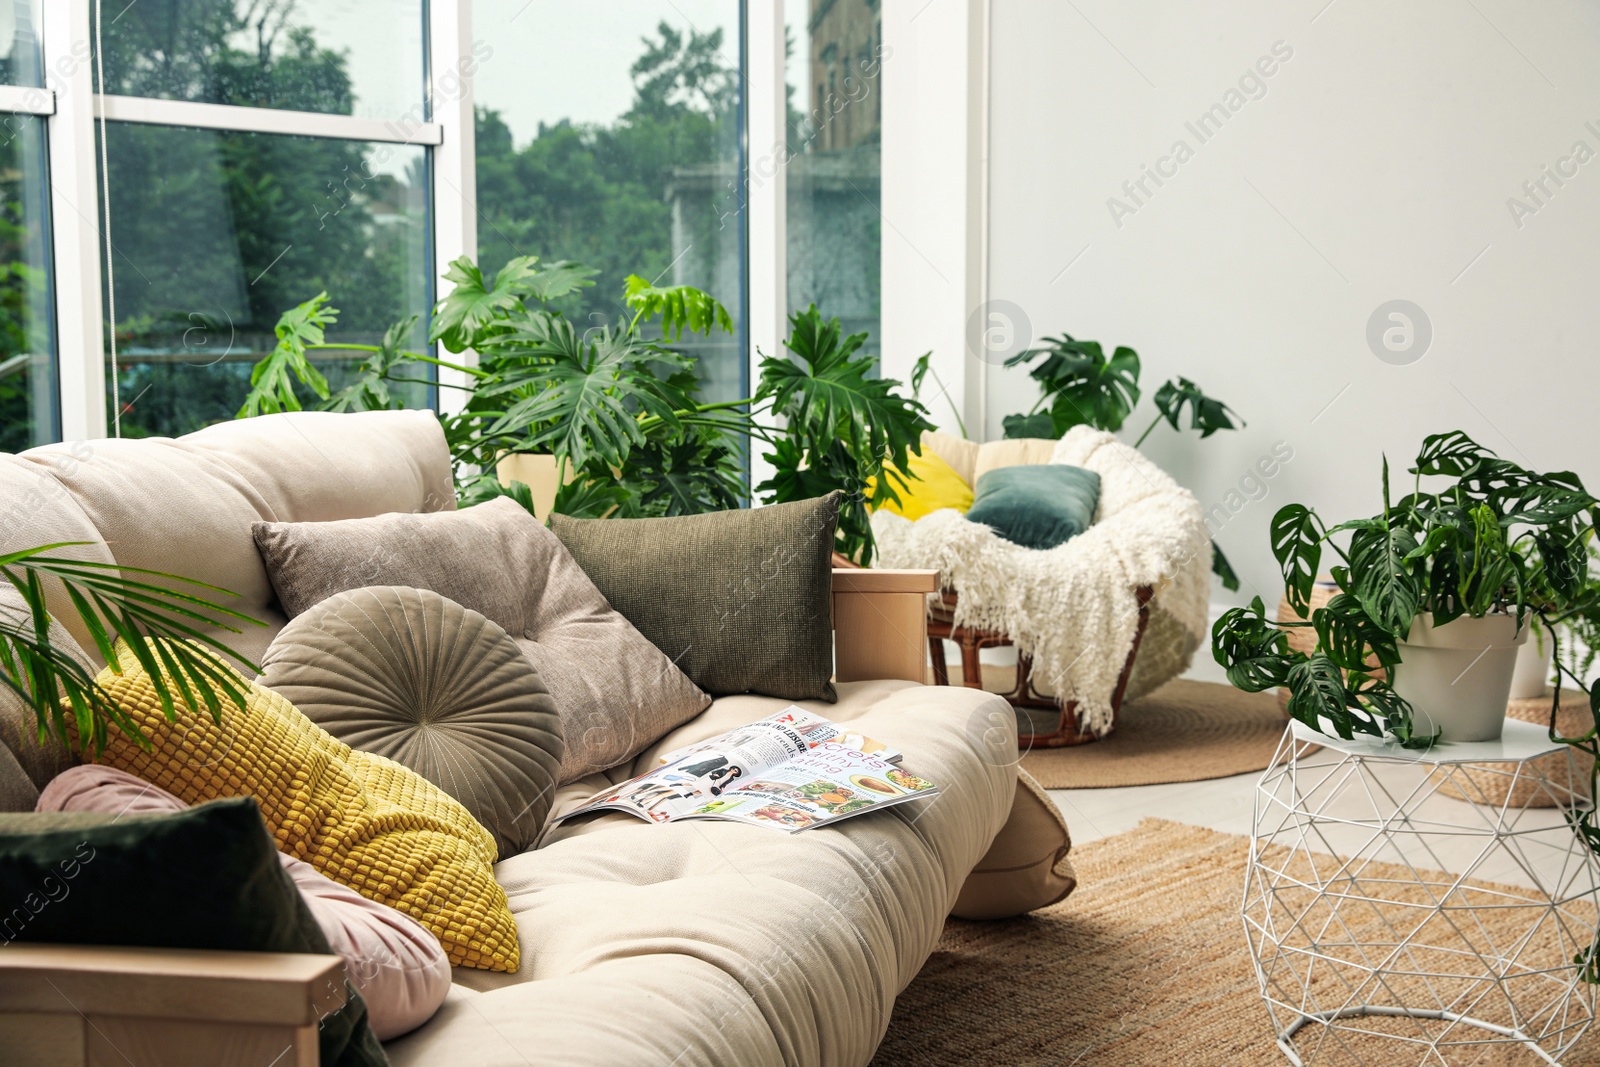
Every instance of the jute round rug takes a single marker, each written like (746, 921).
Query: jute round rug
(1186, 731)
(1145, 965)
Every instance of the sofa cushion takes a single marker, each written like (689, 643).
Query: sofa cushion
(1011, 452)
(399, 968)
(364, 821)
(741, 600)
(407, 674)
(201, 878)
(1027, 866)
(614, 690)
(185, 506)
(717, 943)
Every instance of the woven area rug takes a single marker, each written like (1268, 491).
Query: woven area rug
(1146, 964)
(1186, 731)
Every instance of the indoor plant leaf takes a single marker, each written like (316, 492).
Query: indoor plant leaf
(1206, 414)
(1252, 648)
(272, 379)
(1347, 636)
(1223, 569)
(1039, 424)
(1297, 546)
(679, 307)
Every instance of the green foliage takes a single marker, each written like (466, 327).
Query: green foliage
(679, 307)
(1079, 385)
(272, 380)
(1497, 539)
(1206, 414)
(138, 607)
(843, 426)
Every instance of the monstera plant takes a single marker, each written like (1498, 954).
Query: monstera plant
(618, 405)
(1079, 385)
(1495, 542)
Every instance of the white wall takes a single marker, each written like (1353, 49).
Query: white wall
(932, 200)
(1377, 166)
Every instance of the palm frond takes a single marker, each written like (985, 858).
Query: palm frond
(154, 622)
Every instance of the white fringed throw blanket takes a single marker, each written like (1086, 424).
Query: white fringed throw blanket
(1074, 608)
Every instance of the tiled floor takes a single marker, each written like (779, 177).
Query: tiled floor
(1227, 804)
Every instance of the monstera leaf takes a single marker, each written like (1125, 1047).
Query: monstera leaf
(1206, 414)
(272, 380)
(473, 304)
(1082, 385)
(680, 307)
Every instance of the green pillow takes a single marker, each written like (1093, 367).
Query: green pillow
(1037, 505)
(741, 601)
(206, 878)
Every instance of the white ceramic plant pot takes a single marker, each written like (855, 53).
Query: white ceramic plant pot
(1532, 676)
(1457, 677)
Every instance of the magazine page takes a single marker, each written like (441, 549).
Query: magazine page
(823, 785)
(658, 796)
(700, 773)
(813, 729)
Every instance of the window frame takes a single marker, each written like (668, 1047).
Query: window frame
(72, 110)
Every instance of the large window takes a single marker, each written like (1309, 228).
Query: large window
(834, 83)
(175, 179)
(27, 349)
(214, 231)
(610, 134)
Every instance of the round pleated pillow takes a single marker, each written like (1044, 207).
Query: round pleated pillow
(410, 675)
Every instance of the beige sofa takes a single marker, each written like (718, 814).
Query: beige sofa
(641, 944)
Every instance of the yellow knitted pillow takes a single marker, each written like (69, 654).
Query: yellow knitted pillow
(364, 821)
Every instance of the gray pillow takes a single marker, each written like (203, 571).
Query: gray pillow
(406, 674)
(741, 600)
(615, 691)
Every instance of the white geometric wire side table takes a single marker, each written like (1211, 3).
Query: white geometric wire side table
(1366, 952)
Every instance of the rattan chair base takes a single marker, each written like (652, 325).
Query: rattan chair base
(971, 641)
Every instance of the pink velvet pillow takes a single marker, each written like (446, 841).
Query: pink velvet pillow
(398, 967)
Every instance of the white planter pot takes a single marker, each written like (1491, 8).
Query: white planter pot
(1532, 677)
(1457, 677)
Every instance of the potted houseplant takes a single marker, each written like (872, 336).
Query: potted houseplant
(1080, 385)
(1437, 593)
(608, 420)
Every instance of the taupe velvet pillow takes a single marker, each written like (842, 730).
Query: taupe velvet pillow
(741, 600)
(616, 693)
(406, 674)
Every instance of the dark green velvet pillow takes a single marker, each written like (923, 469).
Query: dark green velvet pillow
(205, 878)
(741, 601)
(1037, 505)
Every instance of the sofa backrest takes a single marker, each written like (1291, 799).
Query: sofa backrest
(185, 505)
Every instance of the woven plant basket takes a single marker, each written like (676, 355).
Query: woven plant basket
(1304, 638)
(1492, 782)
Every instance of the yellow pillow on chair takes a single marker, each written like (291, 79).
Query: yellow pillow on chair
(937, 486)
(362, 820)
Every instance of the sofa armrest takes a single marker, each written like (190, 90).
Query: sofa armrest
(83, 1005)
(880, 623)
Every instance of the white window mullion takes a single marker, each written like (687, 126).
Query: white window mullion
(453, 59)
(265, 120)
(75, 219)
(766, 192)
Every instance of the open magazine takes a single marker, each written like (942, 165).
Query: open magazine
(791, 772)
